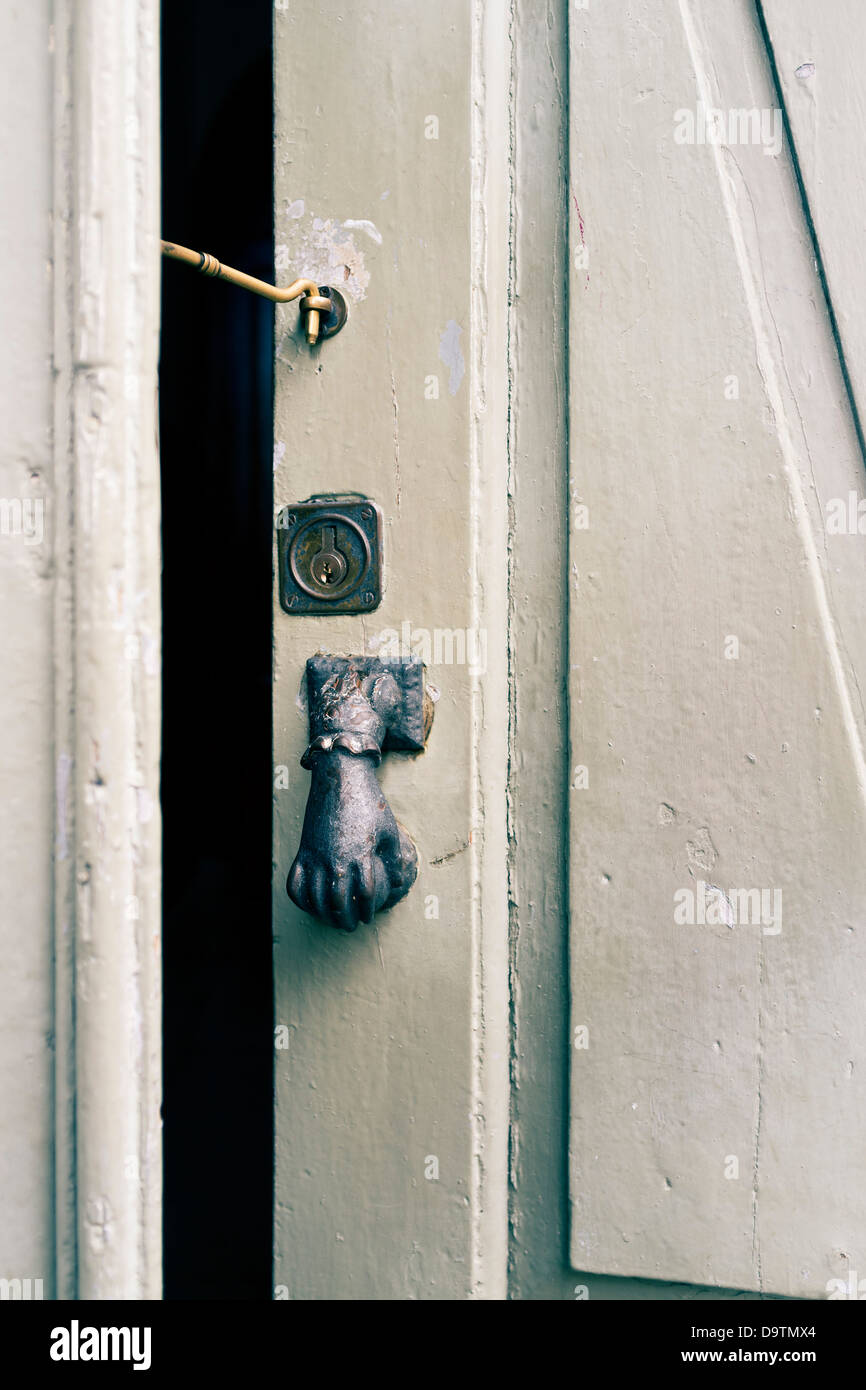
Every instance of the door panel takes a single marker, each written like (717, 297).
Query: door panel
(817, 55)
(391, 1066)
(717, 656)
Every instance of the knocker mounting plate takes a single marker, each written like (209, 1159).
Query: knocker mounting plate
(330, 556)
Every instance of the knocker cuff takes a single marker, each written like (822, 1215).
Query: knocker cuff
(359, 744)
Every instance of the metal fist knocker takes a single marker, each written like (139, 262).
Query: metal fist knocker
(354, 859)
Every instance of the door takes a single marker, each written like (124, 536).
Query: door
(601, 375)
(391, 1044)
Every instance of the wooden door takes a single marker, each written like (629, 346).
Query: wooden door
(717, 646)
(601, 373)
(391, 1069)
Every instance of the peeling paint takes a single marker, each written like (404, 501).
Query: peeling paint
(451, 353)
(99, 1224)
(363, 225)
(724, 904)
(701, 850)
(325, 250)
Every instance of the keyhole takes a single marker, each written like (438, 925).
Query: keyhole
(328, 565)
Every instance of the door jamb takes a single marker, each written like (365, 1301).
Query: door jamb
(107, 644)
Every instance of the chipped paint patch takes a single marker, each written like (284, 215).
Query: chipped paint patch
(723, 904)
(451, 353)
(279, 452)
(701, 850)
(324, 249)
(363, 225)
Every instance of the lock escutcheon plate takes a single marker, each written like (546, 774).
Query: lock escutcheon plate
(330, 556)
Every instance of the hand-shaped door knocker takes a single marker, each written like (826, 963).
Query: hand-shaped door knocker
(354, 859)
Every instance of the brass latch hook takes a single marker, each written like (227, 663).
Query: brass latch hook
(324, 309)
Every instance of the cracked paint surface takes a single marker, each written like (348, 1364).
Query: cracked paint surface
(325, 249)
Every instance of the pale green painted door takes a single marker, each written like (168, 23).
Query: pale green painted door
(391, 1094)
(601, 374)
(717, 645)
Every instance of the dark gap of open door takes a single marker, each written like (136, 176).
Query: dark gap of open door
(216, 386)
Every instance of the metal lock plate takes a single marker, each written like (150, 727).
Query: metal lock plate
(330, 556)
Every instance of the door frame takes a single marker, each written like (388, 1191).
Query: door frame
(107, 650)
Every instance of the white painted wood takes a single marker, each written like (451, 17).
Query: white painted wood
(817, 56)
(717, 1109)
(107, 649)
(392, 182)
(79, 689)
(26, 768)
